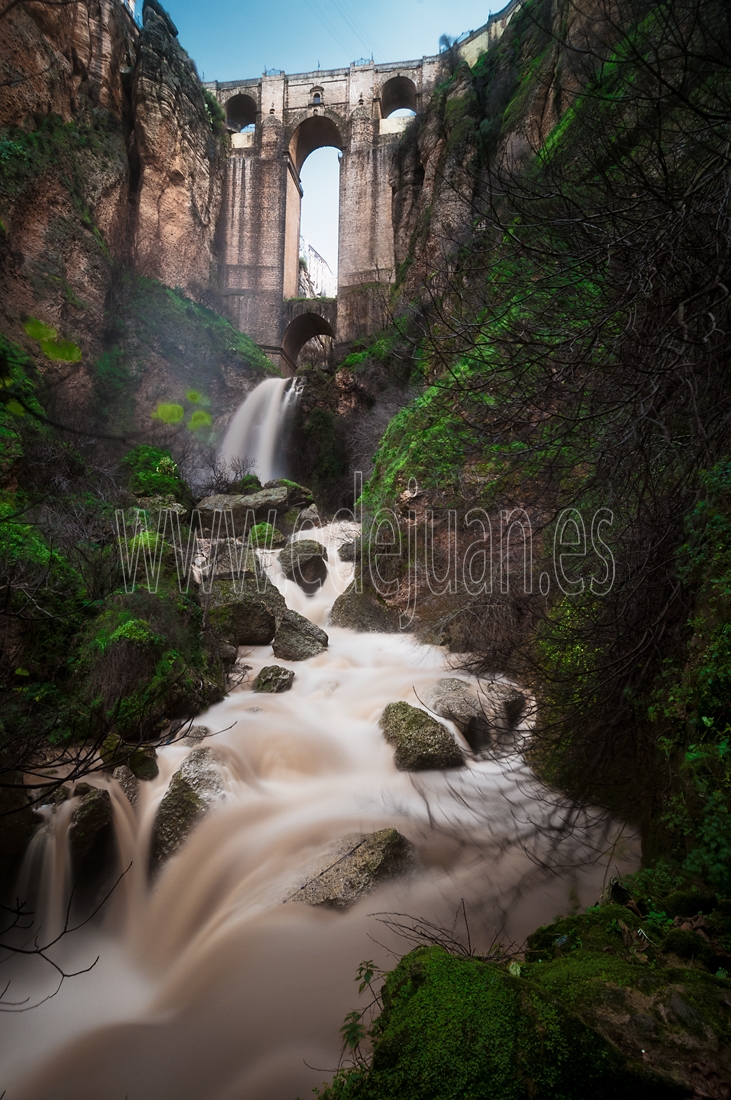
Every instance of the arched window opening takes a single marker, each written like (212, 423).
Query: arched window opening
(241, 113)
(398, 95)
(316, 98)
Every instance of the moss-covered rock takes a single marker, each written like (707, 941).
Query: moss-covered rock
(364, 611)
(457, 1028)
(263, 536)
(90, 830)
(353, 867)
(304, 562)
(273, 679)
(419, 740)
(246, 510)
(245, 613)
(297, 639)
(143, 762)
(194, 789)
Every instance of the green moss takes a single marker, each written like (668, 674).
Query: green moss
(264, 537)
(65, 351)
(462, 1029)
(153, 472)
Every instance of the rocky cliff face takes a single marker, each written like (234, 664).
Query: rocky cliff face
(499, 113)
(181, 161)
(111, 169)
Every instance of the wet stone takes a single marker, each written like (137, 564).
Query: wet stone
(354, 866)
(297, 639)
(245, 613)
(273, 679)
(304, 562)
(143, 762)
(128, 782)
(258, 505)
(194, 789)
(420, 742)
(454, 699)
(90, 828)
(364, 611)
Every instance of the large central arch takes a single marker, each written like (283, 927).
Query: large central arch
(317, 131)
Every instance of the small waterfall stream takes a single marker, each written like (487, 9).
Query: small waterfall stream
(208, 987)
(258, 427)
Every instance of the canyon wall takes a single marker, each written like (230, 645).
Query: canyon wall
(111, 170)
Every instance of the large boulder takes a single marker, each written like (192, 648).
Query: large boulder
(420, 741)
(297, 638)
(194, 789)
(304, 562)
(349, 551)
(454, 699)
(245, 613)
(364, 611)
(353, 867)
(246, 509)
(504, 706)
(486, 720)
(129, 783)
(143, 762)
(273, 679)
(226, 560)
(90, 830)
(298, 496)
(19, 823)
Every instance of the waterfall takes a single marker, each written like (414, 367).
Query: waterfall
(208, 986)
(257, 430)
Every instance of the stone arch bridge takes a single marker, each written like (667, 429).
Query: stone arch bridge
(277, 120)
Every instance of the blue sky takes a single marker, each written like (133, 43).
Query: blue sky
(230, 39)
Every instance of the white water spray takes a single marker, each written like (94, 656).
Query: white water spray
(258, 428)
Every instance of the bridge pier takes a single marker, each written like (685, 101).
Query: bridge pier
(278, 120)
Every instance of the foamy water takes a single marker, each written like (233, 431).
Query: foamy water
(208, 987)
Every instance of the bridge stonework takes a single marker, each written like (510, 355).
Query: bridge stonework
(278, 120)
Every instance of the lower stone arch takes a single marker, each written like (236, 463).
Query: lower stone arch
(300, 330)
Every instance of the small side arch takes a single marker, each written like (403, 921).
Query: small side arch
(241, 111)
(300, 330)
(313, 133)
(397, 93)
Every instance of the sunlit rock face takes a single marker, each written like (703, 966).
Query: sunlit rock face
(181, 162)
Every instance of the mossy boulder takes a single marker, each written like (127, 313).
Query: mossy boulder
(420, 742)
(457, 1028)
(245, 613)
(304, 562)
(365, 612)
(143, 762)
(263, 536)
(194, 789)
(273, 679)
(90, 830)
(128, 782)
(666, 1015)
(297, 639)
(354, 866)
(247, 509)
(230, 560)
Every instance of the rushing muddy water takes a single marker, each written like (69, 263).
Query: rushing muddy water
(208, 987)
